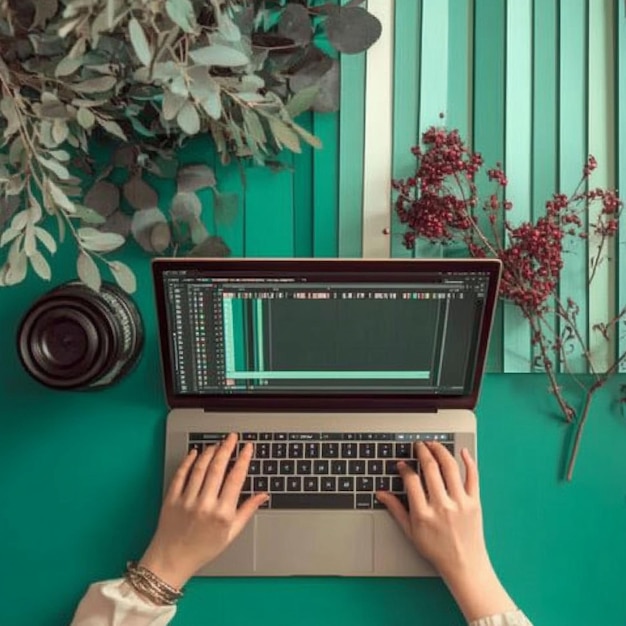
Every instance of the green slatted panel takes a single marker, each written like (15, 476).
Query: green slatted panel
(518, 134)
(573, 148)
(351, 152)
(230, 223)
(601, 292)
(325, 186)
(544, 129)
(407, 52)
(303, 194)
(620, 99)
(269, 214)
(460, 54)
(433, 81)
(488, 113)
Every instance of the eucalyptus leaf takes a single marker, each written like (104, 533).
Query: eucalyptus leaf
(118, 223)
(284, 136)
(139, 194)
(17, 268)
(160, 237)
(67, 66)
(172, 104)
(103, 197)
(188, 119)
(142, 224)
(186, 207)
(296, 24)
(46, 239)
(352, 30)
(211, 247)
(88, 271)
(123, 276)
(219, 56)
(192, 178)
(85, 118)
(40, 265)
(95, 85)
(113, 128)
(140, 42)
(303, 100)
(59, 197)
(98, 241)
(226, 207)
(181, 12)
(55, 167)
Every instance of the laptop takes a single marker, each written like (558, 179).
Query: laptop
(333, 368)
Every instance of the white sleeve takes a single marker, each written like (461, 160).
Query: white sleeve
(115, 603)
(512, 618)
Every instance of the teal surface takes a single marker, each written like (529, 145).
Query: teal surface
(81, 479)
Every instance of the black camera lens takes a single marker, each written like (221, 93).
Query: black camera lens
(77, 338)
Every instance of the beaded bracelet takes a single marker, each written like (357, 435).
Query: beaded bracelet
(151, 586)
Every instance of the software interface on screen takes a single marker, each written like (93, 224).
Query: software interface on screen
(307, 336)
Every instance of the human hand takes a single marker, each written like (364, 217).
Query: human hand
(199, 517)
(444, 522)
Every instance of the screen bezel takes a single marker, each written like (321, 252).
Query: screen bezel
(372, 270)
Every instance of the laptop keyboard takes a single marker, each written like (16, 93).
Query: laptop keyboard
(325, 470)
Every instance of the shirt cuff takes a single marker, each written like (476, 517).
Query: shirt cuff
(512, 618)
(116, 603)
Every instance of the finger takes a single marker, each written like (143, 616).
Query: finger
(397, 510)
(413, 487)
(236, 478)
(180, 477)
(217, 469)
(246, 511)
(472, 487)
(196, 478)
(431, 473)
(449, 469)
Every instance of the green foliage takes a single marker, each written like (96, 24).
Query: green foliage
(149, 74)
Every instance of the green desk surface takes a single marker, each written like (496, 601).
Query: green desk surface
(81, 475)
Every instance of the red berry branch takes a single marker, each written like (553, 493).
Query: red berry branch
(441, 203)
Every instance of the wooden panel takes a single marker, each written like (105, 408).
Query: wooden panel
(517, 161)
(620, 157)
(303, 195)
(573, 149)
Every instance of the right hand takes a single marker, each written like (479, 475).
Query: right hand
(444, 521)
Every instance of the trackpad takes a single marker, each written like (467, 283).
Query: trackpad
(314, 543)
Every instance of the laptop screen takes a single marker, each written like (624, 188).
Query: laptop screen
(298, 328)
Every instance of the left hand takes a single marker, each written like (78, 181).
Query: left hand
(199, 517)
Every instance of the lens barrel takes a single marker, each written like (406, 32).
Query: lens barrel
(76, 338)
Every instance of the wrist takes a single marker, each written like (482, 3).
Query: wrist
(165, 568)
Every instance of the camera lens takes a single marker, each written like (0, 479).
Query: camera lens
(76, 338)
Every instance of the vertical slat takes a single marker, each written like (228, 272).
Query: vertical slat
(351, 150)
(325, 186)
(433, 81)
(378, 135)
(544, 130)
(601, 115)
(620, 100)
(573, 39)
(488, 115)
(231, 226)
(406, 97)
(459, 72)
(303, 194)
(269, 211)
(517, 161)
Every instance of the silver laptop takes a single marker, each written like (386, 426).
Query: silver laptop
(333, 368)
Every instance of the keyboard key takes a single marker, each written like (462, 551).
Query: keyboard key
(280, 437)
(207, 437)
(294, 483)
(391, 467)
(330, 450)
(279, 450)
(195, 446)
(263, 451)
(382, 483)
(367, 450)
(312, 450)
(385, 450)
(345, 483)
(338, 467)
(356, 467)
(270, 467)
(296, 450)
(349, 450)
(287, 467)
(265, 436)
(449, 447)
(328, 483)
(304, 436)
(260, 483)
(312, 501)
(311, 483)
(305, 466)
(363, 501)
(404, 450)
(254, 467)
(249, 436)
(364, 483)
(397, 484)
(277, 483)
(377, 504)
(321, 467)
(375, 467)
